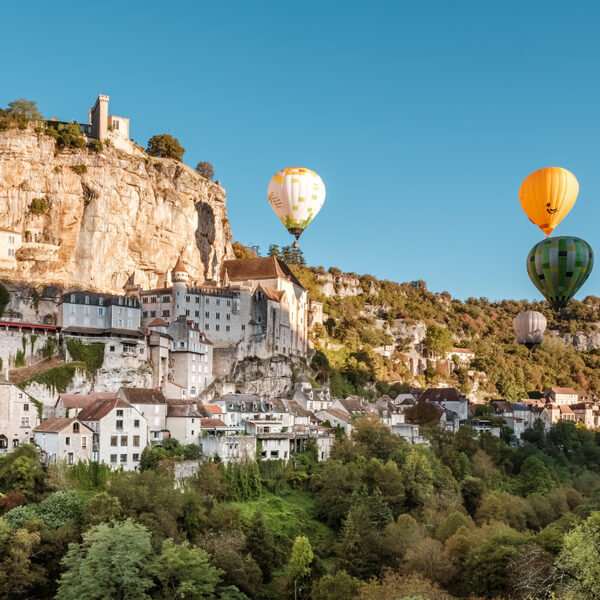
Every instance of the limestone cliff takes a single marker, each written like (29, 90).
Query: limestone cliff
(106, 215)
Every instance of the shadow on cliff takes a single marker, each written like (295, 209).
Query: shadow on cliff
(205, 234)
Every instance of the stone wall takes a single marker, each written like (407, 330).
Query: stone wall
(11, 341)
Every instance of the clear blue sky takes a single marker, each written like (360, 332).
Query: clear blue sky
(421, 117)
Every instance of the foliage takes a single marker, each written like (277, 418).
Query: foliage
(165, 146)
(79, 169)
(57, 378)
(206, 170)
(19, 113)
(4, 298)
(66, 135)
(39, 206)
(91, 355)
(438, 340)
(95, 145)
(240, 251)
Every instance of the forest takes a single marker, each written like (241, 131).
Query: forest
(461, 517)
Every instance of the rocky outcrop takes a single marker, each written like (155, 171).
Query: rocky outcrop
(584, 341)
(339, 285)
(100, 217)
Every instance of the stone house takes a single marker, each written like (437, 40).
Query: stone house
(10, 242)
(184, 422)
(464, 355)
(561, 396)
(229, 448)
(18, 417)
(70, 405)
(310, 398)
(584, 412)
(64, 439)
(152, 405)
(336, 418)
(190, 357)
(449, 398)
(120, 432)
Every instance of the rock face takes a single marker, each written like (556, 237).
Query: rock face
(109, 215)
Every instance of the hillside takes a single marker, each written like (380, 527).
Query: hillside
(380, 332)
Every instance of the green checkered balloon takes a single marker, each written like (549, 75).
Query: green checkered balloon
(559, 266)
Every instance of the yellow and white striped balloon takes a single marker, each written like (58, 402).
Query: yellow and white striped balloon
(296, 195)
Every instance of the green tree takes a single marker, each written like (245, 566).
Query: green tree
(535, 477)
(24, 108)
(205, 169)
(21, 470)
(102, 508)
(184, 572)
(417, 476)
(165, 146)
(259, 543)
(579, 559)
(437, 341)
(112, 561)
(339, 586)
(275, 251)
(299, 566)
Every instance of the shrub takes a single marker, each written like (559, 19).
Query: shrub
(79, 169)
(4, 298)
(165, 146)
(39, 206)
(206, 170)
(66, 136)
(95, 145)
(92, 355)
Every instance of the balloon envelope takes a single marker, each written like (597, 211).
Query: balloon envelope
(296, 195)
(547, 196)
(529, 327)
(559, 266)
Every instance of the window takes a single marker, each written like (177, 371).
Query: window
(136, 440)
(243, 328)
(87, 299)
(123, 458)
(228, 316)
(136, 423)
(11, 251)
(101, 301)
(197, 313)
(207, 315)
(26, 407)
(115, 124)
(208, 301)
(136, 458)
(197, 299)
(67, 441)
(24, 421)
(218, 301)
(119, 412)
(152, 313)
(187, 299)
(187, 312)
(217, 328)
(217, 315)
(207, 327)
(123, 440)
(227, 328)
(113, 458)
(72, 297)
(84, 441)
(228, 302)
(114, 440)
(70, 458)
(166, 313)
(119, 424)
(112, 348)
(75, 427)
(274, 453)
(166, 299)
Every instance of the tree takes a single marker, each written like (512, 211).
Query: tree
(259, 543)
(102, 508)
(113, 561)
(275, 251)
(395, 586)
(24, 108)
(242, 251)
(300, 560)
(165, 146)
(184, 572)
(579, 559)
(535, 477)
(438, 341)
(205, 169)
(339, 586)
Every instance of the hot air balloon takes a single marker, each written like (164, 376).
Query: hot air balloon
(529, 327)
(547, 196)
(559, 266)
(296, 195)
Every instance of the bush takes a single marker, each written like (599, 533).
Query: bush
(79, 169)
(205, 169)
(4, 298)
(165, 146)
(39, 206)
(66, 136)
(91, 355)
(95, 145)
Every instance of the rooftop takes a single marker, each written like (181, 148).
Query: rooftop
(268, 267)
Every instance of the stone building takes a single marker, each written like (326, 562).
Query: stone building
(10, 242)
(64, 439)
(18, 417)
(103, 126)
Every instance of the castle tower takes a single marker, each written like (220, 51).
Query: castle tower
(99, 118)
(215, 268)
(180, 278)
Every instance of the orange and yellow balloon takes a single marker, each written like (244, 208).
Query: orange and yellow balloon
(547, 196)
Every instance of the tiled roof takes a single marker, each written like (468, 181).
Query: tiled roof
(298, 410)
(143, 395)
(55, 425)
(565, 410)
(101, 408)
(340, 415)
(83, 400)
(158, 322)
(183, 410)
(268, 267)
(213, 408)
(461, 351)
(561, 390)
(210, 423)
(449, 394)
(353, 404)
(272, 294)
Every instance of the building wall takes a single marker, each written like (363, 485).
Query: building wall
(10, 242)
(11, 341)
(18, 416)
(108, 429)
(55, 445)
(99, 118)
(275, 449)
(156, 418)
(184, 429)
(229, 448)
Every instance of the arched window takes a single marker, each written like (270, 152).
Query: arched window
(75, 427)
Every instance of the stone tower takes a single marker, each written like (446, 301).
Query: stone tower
(180, 278)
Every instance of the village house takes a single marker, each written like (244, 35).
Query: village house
(70, 405)
(561, 396)
(18, 417)
(190, 357)
(120, 432)
(152, 405)
(449, 398)
(584, 412)
(334, 417)
(64, 439)
(184, 422)
(10, 242)
(463, 355)
(310, 398)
